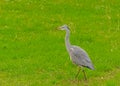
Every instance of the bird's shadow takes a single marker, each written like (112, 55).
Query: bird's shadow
(78, 82)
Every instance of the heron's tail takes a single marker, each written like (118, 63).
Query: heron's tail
(91, 67)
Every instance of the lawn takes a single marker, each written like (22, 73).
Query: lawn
(32, 50)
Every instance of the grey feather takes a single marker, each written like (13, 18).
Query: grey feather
(80, 57)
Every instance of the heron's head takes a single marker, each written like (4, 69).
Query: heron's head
(64, 27)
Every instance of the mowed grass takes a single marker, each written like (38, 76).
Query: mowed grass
(32, 51)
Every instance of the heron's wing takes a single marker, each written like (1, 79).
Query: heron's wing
(80, 57)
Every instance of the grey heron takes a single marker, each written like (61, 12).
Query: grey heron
(77, 55)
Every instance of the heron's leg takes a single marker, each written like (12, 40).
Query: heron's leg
(78, 72)
(84, 74)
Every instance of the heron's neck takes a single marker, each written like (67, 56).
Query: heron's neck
(67, 42)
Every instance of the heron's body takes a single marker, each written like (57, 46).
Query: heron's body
(77, 55)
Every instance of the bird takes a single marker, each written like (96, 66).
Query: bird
(77, 55)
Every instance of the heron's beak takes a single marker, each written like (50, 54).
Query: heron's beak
(59, 28)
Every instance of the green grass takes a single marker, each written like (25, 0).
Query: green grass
(32, 51)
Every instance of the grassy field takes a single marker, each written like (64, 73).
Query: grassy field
(32, 51)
